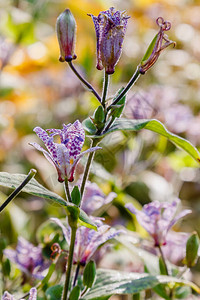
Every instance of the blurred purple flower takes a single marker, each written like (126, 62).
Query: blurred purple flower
(66, 154)
(157, 218)
(28, 258)
(175, 248)
(94, 198)
(87, 240)
(110, 27)
(161, 37)
(32, 295)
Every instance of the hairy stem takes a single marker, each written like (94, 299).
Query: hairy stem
(131, 82)
(30, 175)
(105, 89)
(67, 192)
(69, 263)
(87, 167)
(84, 81)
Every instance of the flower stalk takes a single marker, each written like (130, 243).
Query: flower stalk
(87, 167)
(105, 89)
(131, 82)
(69, 263)
(84, 81)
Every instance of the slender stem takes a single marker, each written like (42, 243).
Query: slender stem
(30, 175)
(67, 192)
(87, 167)
(132, 81)
(69, 263)
(76, 274)
(109, 124)
(105, 88)
(84, 81)
(163, 259)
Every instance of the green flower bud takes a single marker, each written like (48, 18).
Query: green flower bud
(75, 293)
(66, 33)
(192, 247)
(89, 274)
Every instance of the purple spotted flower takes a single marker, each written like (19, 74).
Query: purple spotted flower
(161, 42)
(110, 27)
(32, 295)
(66, 154)
(87, 240)
(94, 198)
(28, 258)
(157, 218)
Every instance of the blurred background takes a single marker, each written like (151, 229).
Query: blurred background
(37, 90)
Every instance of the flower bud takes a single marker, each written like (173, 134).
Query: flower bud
(192, 250)
(110, 27)
(89, 275)
(75, 293)
(66, 33)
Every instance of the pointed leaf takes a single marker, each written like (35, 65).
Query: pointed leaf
(111, 282)
(158, 127)
(34, 188)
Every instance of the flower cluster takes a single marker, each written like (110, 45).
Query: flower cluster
(158, 218)
(66, 154)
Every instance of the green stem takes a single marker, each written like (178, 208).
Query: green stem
(30, 175)
(105, 89)
(67, 192)
(163, 259)
(131, 82)
(69, 263)
(84, 81)
(109, 124)
(87, 167)
(76, 274)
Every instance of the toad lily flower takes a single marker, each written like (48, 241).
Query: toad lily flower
(66, 154)
(87, 240)
(157, 218)
(110, 27)
(94, 198)
(28, 258)
(156, 46)
(32, 295)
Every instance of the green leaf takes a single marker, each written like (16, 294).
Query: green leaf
(54, 292)
(111, 282)
(84, 220)
(89, 126)
(158, 127)
(118, 108)
(34, 188)
(76, 195)
(149, 50)
(99, 115)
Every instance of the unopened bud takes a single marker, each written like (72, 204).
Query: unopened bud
(192, 250)
(66, 33)
(89, 275)
(75, 293)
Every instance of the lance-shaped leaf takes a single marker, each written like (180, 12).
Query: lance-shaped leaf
(111, 282)
(34, 188)
(156, 126)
